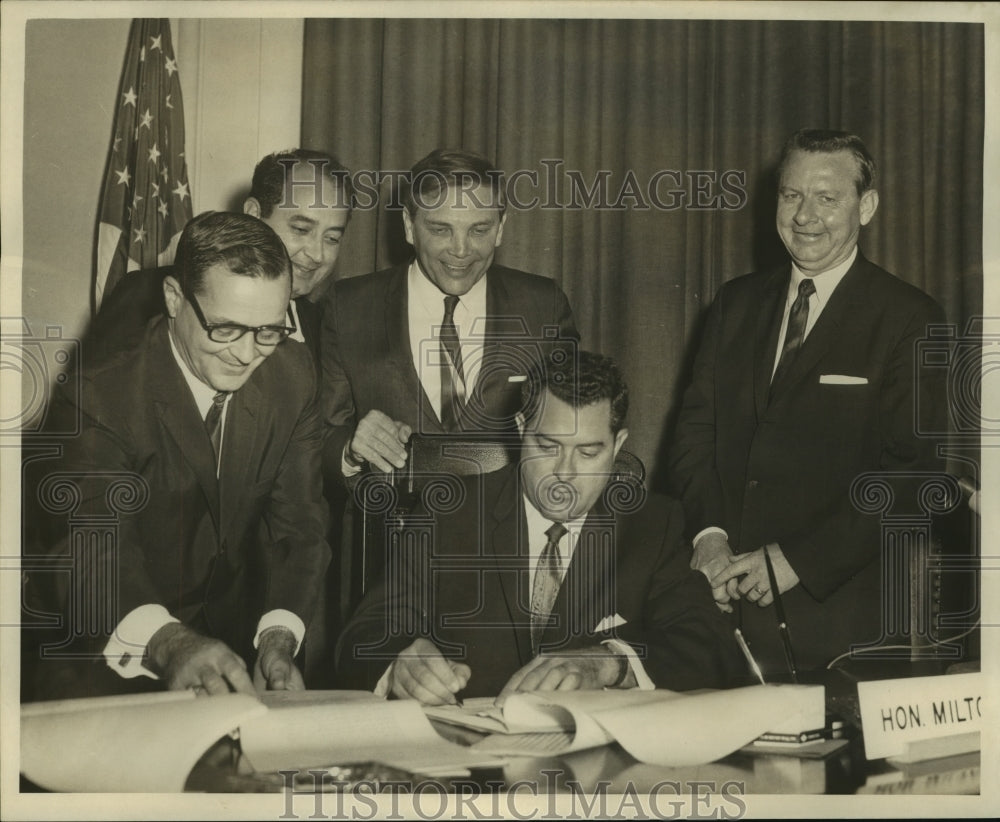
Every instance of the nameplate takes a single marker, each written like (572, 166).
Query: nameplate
(898, 712)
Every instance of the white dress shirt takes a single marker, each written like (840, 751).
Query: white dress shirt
(425, 313)
(126, 648)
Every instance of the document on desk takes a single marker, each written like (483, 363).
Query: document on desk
(658, 727)
(145, 743)
(311, 730)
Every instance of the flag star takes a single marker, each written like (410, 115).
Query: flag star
(118, 142)
(136, 199)
(156, 188)
(142, 55)
(181, 190)
(154, 42)
(124, 177)
(154, 155)
(171, 66)
(140, 234)
(164, 174)
(169, 104)
(162, 208)
(147, 119)
(129, 96)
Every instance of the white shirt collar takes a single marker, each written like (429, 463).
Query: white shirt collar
(430, 300)
(825, 282)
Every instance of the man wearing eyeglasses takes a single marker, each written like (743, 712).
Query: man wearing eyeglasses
(217, 565)
(305, 196)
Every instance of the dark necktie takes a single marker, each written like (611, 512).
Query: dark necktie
(452, 375)
(213, 422)
(545, 588)
(795, 333)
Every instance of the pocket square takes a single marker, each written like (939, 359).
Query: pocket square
(517, 378)
(609, 622)
(841, 379)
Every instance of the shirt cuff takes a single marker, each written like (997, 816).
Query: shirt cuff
(382, 686)
(126, 649)
(643, 682)
(280, 618)
(348, 468)
(712, 529)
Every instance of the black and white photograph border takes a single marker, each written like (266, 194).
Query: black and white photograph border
(47, 294)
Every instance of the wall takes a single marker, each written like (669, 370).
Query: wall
(241, 81)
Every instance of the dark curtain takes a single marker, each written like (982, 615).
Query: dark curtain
(701, 106)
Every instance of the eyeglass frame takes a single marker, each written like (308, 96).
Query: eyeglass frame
(285, 330)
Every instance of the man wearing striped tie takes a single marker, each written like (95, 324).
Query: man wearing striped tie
(807, 378)
(437, 344)
(211, 422)
(543, 578)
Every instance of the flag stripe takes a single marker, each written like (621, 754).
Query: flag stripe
(145, 198)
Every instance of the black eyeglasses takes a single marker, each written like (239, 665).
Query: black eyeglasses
(231, 332)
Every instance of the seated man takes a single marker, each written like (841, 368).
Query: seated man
(205, 441)
(536, 582)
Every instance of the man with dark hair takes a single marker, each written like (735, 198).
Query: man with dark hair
(440, 343)
(536, 581)
(806, 378)
(211, 421)
(305, 196)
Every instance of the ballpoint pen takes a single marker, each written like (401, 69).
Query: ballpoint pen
(779, 611)
(746, 648)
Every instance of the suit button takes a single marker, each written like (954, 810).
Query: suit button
(751, 485)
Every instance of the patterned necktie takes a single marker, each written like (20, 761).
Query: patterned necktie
(548, 578)
(795, 334)
(213, 422)
(452, 374)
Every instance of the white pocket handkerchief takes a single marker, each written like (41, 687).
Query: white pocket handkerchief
(841, 379)
(517, 378)
(609, 622)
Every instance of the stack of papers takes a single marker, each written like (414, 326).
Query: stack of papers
(658, 727)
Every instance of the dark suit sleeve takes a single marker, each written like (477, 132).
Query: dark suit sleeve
(339, 414)
(392, 614)
(693, 473)
(835, 548)
(684, 642)
(97, 474)
(295, 520)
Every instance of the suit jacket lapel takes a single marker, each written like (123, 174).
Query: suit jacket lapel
(508, 545)
(238, 448)
(828, 327)
(397, 330)
(498, 309)
(179, 415)
(769, 318)
(587, 593)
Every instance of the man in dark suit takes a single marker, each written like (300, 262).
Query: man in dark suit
(284, 193)
(806, 378)
(212, 420)
(437, 344)
(539, 581)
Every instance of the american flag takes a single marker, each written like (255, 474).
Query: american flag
(146, 201)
